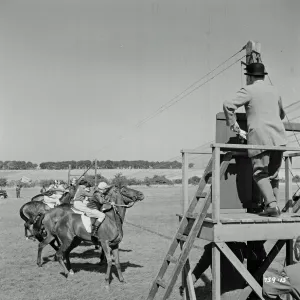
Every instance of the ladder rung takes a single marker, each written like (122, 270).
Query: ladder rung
(181, 237)
(161, 282)
(171, 259)
(202, 195)
(191, 215)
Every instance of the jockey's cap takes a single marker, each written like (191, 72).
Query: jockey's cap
(84, 182)
(103, 186)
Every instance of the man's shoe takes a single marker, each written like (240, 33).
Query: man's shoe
(270, 212)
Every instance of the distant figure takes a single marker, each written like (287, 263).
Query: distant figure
(18, 190)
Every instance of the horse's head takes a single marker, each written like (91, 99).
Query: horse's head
(132, 194)
(124, 197)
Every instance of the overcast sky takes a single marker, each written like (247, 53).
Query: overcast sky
(77, 76)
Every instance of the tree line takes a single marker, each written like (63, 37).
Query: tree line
(84, 164)
(17, 165)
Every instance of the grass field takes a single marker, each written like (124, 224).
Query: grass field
(141, 254)
(107, 173)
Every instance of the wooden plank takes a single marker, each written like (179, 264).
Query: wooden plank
(296, 206)
(195, 231)
(192, 216)
(292, 126)
(187, 248)
(190, 285)
(216, 185)
(256, 231)
(232, 211)
(241, 269)
(230, 221)
(161, 282)
(171, 259)
(288, 181)
(181, 237)
(202, 195)
(295, 154)
(244, 294)
(247, 221)
(185, 178)
(216, 273)
(254, 147)
(274, 220)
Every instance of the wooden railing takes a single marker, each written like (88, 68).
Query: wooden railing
(216, 152)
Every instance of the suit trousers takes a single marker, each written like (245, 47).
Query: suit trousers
(266, 167)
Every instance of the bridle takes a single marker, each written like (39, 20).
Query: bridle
(115, 206)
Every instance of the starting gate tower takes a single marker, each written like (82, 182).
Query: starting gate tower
(225, 213)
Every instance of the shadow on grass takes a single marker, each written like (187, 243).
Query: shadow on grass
(77, 267)
(92, 253)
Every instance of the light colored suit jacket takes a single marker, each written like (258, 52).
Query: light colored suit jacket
(264, 113)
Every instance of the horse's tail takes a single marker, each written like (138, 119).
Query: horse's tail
(22, 213)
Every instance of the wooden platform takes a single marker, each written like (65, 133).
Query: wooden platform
(250, 227)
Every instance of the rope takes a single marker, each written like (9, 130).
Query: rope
(172, 102)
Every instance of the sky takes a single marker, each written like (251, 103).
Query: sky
(76, 77)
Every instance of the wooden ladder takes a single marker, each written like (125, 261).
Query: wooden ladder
(186, 233)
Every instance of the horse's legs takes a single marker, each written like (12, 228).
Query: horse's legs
(76, 242)
(41, 246)
(115, 252)
(52, 243)
(66, 238)
(102, 256)
(106, 250)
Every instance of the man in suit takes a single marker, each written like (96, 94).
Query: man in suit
(264, 113)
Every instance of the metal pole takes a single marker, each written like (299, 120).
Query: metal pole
(95, 172)
(69, 173)
(185, 182)
(185, 204)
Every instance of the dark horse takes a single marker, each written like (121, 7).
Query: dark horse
(71, 231)
(31, 210)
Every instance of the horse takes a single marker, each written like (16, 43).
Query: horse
(40, 197)
(71, 231)
(31, 210)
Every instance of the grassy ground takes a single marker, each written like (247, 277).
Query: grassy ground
(141, 254)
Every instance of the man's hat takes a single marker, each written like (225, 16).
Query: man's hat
(255, 69)
(103, 186)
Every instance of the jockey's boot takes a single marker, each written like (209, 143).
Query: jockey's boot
(95, 228)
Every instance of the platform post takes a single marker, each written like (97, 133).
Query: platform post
(216, 267)
(288, 195)
(185, 206)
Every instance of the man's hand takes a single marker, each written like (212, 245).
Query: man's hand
(235, 127)
(243, 134)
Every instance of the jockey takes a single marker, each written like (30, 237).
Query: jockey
(58, 191)
(81, 203)
(98, 197)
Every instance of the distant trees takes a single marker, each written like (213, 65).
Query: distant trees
(3, 182)
(110, 164)
(17, 165)
(84, 164)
